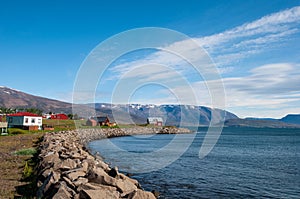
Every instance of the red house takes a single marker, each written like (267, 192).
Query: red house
(59, 116)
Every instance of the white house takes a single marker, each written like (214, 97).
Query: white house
(157, 121)
(25, 120)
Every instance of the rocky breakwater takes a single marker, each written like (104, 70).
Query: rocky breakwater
(67, 170)
(87, 135)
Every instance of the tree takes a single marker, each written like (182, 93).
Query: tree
(70, 116)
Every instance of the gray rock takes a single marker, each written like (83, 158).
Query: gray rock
(140, 194)
(74, 175)
(125, 186)
(98, 175)
(80, 181)
(67, 164)
(62, 193)
(98, 194)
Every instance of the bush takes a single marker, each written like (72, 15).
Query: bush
(28, 170)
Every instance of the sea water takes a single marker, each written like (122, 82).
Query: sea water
(245, 163)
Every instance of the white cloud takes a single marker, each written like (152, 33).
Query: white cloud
(229, 47)
(272, 86)
(270, 90)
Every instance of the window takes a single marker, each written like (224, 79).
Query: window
(39, 121)
(26, 120)
(33, 120)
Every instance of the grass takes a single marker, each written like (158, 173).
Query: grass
(61, 125)
(17, 164)
(16, 131)
(29, 151)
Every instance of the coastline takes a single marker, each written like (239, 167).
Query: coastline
(87, 135)
(67, 169)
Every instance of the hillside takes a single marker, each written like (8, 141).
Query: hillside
(291, 119)
(171, 114)
(259, 123)
(11, 98)
(138, 113)
(123, 113)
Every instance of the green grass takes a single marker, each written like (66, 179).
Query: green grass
(61, 125)
(29, 151)
(16, 131)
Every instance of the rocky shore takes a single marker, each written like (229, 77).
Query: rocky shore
(87, 135)
(66, 169)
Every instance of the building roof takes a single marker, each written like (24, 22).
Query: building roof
(102, 119)
(24, 114)
(155, 119)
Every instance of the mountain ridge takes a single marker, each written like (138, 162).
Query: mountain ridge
(138, 113)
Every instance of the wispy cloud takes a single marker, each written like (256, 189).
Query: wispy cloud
(229, 47)
(271, 85)
(235, 44)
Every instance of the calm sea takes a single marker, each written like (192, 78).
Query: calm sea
(245, 163)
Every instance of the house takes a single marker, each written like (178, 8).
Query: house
(157, 121)
(59, 116)
(91, 122)
(25, 120)
(102, 121)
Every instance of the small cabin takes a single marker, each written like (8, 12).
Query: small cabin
(91, 122)
(99, 121)
(156, 121)
(103, 121)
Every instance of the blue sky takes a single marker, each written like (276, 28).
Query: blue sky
(254, 45)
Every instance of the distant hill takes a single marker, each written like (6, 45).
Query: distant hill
(259, 123)
(291, 119)
(123, 113)
(171, 114)
(11, 98)
(137, 113)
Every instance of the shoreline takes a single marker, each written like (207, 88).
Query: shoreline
(88, 135)
(67, 169)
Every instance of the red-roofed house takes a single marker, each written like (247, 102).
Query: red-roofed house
(59, 116)
(24, 120)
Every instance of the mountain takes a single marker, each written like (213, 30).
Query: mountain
(291, 119)
(11, 98)
(259, 123)
(172, 114)
(122, 113)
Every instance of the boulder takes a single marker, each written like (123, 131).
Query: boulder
(98, 175)
(98, 194)
(62, 193)
(94, 186)
(125, 186)
(74, 175)
(124, 177)
(80, 181)
(67, 164)
(140, 194)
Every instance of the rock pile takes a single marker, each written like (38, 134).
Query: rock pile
(67, 170)
(87, 135)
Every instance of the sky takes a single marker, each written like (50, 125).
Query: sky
(253, 45)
